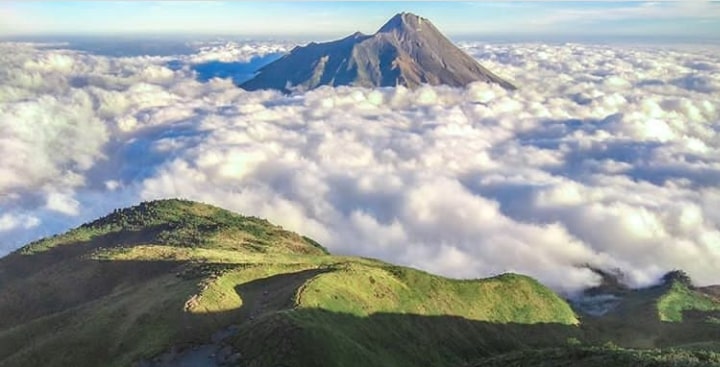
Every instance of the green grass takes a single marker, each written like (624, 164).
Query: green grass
(364, 289)
(602, 357)
(680, 298)
(184, 223)
(133, 283)
(317, 337)
(362, 312)
(115, 329)
(165, 273)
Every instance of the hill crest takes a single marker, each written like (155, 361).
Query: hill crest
(158, 282)
(182, 223)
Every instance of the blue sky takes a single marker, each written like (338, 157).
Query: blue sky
(688, 18)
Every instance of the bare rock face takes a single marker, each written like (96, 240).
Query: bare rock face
(408, 50)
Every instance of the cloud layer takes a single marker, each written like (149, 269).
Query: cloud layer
(605, 155)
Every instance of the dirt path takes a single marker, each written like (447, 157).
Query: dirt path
(261, 296)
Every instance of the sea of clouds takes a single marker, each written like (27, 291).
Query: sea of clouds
(606, 155)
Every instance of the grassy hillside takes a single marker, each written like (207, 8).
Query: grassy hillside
(670, 314)
(680, 298)
(117, 288)
(363, 289)
(602, 357)
(316, 337)
(368, 313)
(171, 274)
(183, 223)
(155, 284)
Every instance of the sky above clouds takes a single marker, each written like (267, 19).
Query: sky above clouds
(697, 20)
(606, 155)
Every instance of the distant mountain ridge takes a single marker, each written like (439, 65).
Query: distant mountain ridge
(408, 50)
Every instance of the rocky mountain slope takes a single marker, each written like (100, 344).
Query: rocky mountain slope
(408, 50)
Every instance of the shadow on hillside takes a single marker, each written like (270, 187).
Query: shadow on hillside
(269, 331)
(266, 330)
(65, 276)
(317, 337)
(21, 265)
(266, 334)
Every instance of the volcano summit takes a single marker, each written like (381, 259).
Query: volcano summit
(408, 50)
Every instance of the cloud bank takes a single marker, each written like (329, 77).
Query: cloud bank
(606, 155)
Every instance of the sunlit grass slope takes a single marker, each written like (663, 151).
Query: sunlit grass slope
(185, 223)
(374, 314)
(127, 285)
(362, 289)
(171, 273)
(680, 298)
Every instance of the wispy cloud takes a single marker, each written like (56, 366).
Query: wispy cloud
(704, 10)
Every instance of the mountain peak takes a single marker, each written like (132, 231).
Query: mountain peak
(403, 22)
(407, 50)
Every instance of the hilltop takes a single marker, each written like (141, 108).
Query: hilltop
(174, 282)
(408, 50)
(672, 313)
(172, 273)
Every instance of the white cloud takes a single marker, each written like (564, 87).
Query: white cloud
(236, 52)
(605, 155)
(639, 11)
(9, 222)
(62, 203)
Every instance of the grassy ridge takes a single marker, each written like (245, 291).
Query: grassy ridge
(133, 283)
(680, 298)
(128, 285)
(360, 312)
(172, 272)
(364, 289)
(185, 223)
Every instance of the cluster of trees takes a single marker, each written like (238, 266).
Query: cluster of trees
(677, 276)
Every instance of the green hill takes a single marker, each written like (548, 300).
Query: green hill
(680, 297)
(171, 282)
(115, 289)
(171, 273)
(670, 314)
